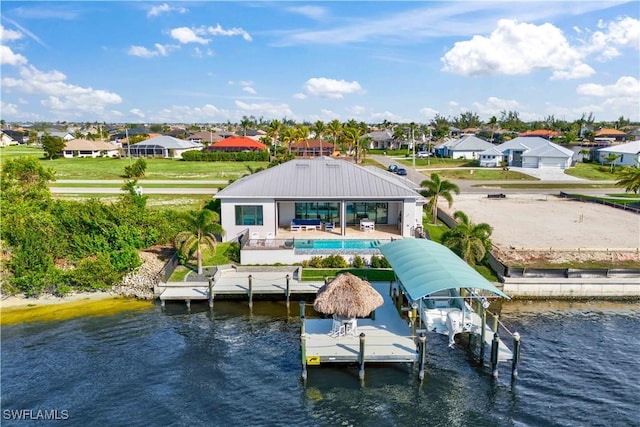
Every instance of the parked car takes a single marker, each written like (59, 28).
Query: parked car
(424, 154)
(401, 171)
(392, 167)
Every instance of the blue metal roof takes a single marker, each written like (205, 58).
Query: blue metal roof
(425, 267)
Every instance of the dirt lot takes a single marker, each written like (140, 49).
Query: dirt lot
(529, 227)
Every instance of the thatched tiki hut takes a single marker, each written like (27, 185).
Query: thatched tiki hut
(347, 296)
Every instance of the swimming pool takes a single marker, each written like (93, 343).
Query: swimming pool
(338, 245)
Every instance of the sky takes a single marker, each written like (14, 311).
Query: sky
(220, 61)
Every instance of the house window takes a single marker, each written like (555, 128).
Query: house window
(249, 215)
(324, 211)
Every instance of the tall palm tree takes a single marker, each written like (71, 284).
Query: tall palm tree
(287, 137)
(319, 128)
(630, 179)
(352, 137)
(437, 188)
(202, 226)
(245, 123)
(301, 133)
(470, 241)
(334, 128)
(273, 131)
(493, 121)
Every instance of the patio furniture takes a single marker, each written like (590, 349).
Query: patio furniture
(367, 225)
(342, 326)
(329, 226)
(305, 224)
(270, 240)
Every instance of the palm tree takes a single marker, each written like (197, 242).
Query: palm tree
(287, 136)
(611, 159)
(630, 179)
(352, 137)
(300, 134)
(493, 121)
(201, 229)
(334, 128)
(319, 128)
(273, 130)
(245, 123)
(437, 188)
(470, 241)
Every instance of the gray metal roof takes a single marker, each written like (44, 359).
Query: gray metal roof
(533, 146)
(470, 143)
(320, 178)
(632, 147)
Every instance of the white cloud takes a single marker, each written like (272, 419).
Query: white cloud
(428, 113)
(187, 35)
(625, 87)
(453, 104)
(219, 31)
(9, 35)
(8, 109)
(142, 52)
(330, 88)
(164, 8)
(187, 114)
(265, 109)
(493, 106)
(622, 33)
(299, 95)
(313, 12)
(578, 72)
(386, 115)
(137, 112)
(199, 53)
(249, 89)
(61, 95)
(513, 48)
(357, 110)
(8, 57)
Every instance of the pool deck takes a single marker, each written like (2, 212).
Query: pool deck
(387, 338)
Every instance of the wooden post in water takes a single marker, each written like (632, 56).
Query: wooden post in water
(301, 309)
(288, 290)
(210, 292)
(373, 315)
(303, 347)
(422, 351)
(495, 347)
(516, 355)
(250, 291)
(188, 304)
(361, 357)
(483, 316)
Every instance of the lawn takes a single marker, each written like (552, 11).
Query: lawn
(107, 168)
(221, 256)
(482, 174)
(593, 171)
(372, 274)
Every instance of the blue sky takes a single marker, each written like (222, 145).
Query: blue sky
(194, 62)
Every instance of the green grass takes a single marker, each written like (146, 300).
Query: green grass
(625, 196)
(209, 258)
(541, 185)
(438, 162)
(592, 171)
(179, 202)
(146, 185)
(482, 174)
(372, 274)
(106, 168)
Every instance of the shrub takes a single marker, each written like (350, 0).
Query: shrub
(225, 156)
(316, 262)
(136, 170)
(379, 262)
(334, 261)
(358, 262)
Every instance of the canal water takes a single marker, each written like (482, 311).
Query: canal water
(231, 367)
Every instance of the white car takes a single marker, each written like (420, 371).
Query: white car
(424, 154)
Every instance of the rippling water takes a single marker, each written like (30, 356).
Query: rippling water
(580, 367)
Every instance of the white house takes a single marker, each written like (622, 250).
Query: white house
(528, 152)
(162, 146)
(86, 148)
(629, 154)
(6, 140)
(326, 190)
(468, 147)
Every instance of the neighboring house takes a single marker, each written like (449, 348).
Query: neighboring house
(528, 152)
(328, 190)
(86, 148)
(164, 146)
(237, 143)
(542, 133)
(634, 135)
(613, 135)
(205, 137)
(312, 148)
(468, 147)
(441, 150)
(491, 158)
(382, 140)
(67, 136)
(629, 154)
(255, 134)
(7, 140)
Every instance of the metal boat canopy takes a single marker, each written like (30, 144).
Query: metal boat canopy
(425, 267)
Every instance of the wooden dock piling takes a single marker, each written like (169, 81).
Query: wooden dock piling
(250, 291)
(361, 357)
(495, 345)
(516, 355)
(422, 349)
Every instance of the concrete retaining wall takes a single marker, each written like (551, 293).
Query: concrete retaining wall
(567, 288)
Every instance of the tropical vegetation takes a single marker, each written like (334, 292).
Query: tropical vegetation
(436, 188)
(630, 179)
(470, 241)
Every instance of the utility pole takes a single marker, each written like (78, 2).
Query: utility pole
(413, 147)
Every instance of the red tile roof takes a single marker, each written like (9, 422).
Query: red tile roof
(604, 132)
(542, 132)
(238, 143)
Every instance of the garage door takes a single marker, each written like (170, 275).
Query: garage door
(551, 162)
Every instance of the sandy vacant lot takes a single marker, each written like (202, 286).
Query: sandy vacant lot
(540, 221)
